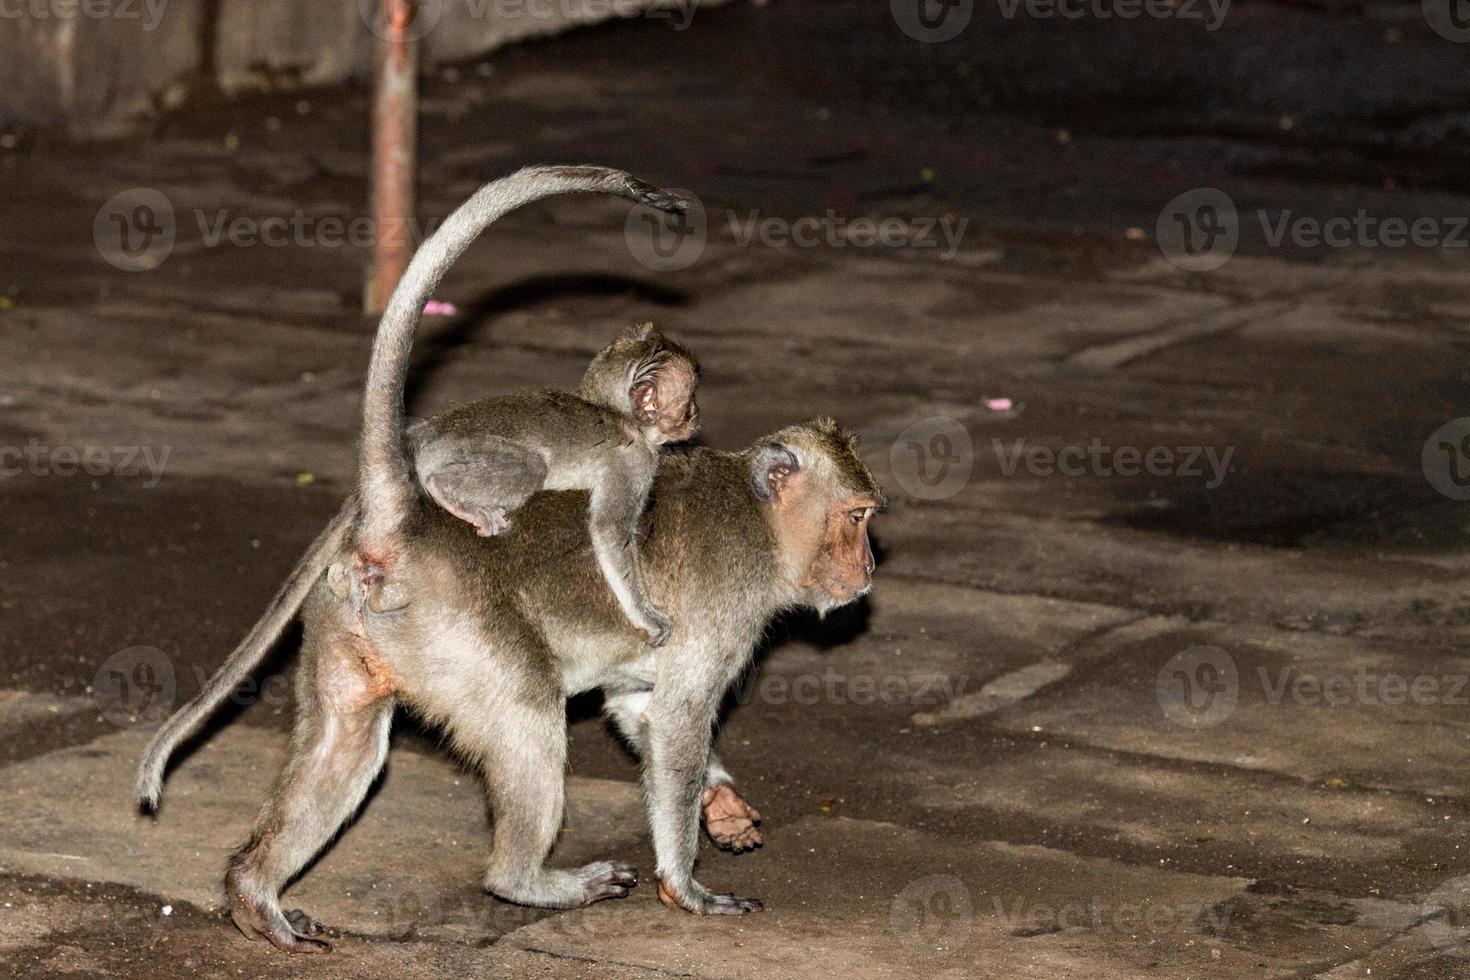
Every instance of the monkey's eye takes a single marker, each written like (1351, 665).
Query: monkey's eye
(859, 515)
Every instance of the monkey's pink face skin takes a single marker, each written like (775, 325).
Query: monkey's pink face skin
(843, 569)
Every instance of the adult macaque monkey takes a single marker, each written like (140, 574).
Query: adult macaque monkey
(647, 382)
(499, 631)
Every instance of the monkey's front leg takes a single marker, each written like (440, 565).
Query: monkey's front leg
(730, 822)
(678, 738)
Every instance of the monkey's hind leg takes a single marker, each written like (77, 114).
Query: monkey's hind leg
(339, 745)
(520, 739)
(479, 479)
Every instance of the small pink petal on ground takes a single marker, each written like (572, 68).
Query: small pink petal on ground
(999, 404)
(436, 307)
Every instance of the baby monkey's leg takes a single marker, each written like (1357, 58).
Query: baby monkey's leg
(478, 478)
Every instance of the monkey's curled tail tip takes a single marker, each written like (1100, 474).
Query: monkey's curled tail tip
(651, 196)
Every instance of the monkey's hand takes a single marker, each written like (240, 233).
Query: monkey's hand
(695, 898)
(730, 821)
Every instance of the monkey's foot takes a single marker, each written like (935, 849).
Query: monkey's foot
(293, 931)
(304, 924)
(701, 902)
(607, 879)
(564, 889)
(729, 820)
(488, 521)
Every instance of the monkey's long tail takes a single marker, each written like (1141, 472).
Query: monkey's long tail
(245, 658)
(385, 484)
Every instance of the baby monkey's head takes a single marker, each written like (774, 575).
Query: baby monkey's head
(649, 378)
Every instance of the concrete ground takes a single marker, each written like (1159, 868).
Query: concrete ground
(1162, 675)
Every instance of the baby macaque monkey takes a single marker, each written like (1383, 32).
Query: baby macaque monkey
(482, 461)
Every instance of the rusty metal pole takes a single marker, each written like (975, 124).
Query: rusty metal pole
(395, 146)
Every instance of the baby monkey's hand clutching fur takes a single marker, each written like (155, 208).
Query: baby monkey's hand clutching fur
(482, 461)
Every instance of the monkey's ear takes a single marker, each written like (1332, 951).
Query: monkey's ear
(771, 472)
(645, 330)
(643, 401)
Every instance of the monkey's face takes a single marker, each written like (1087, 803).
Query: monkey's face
(666, 403)
(842, 569)
(680, 421)
(822, 522)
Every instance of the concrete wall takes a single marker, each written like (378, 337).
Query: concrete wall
(98, 67)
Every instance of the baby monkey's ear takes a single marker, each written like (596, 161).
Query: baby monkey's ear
(643, 399)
